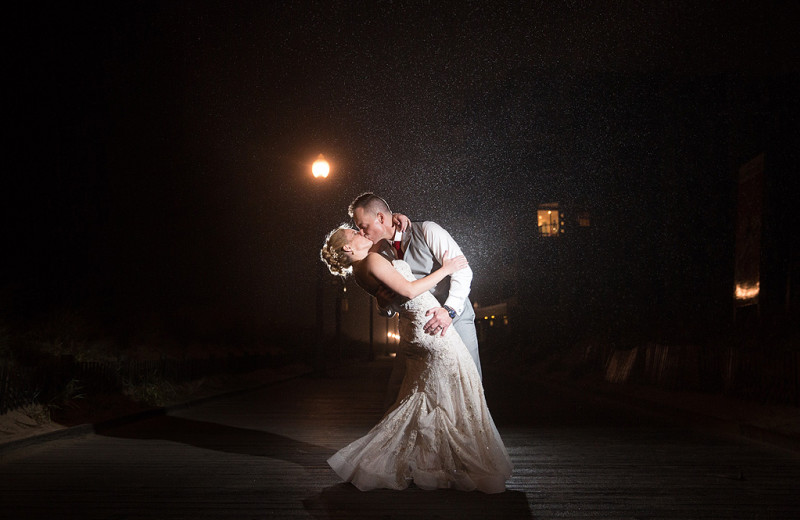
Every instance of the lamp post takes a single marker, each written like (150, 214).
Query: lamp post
(320, 170)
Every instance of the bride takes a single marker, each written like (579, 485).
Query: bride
(439, 433)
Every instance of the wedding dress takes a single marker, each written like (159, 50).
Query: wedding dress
(439, 433)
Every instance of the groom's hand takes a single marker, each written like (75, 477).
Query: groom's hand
(439, 323)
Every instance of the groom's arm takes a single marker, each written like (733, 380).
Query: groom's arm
(385, 299)
(440, 241)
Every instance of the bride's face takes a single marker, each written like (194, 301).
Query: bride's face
(356, 240)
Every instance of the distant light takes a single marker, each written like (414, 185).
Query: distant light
(320, 168)
(747, 292)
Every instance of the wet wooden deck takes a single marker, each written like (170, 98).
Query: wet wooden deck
(262, 455)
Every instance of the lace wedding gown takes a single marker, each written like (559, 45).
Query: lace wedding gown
(439, 433)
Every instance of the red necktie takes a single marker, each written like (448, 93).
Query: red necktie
(399, 251)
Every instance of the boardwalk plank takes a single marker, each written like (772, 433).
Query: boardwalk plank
(262, 455)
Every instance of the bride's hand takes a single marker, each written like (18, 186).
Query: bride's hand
(400, 221)
(454, 264)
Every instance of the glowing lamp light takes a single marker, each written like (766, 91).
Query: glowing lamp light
(747, 292)
(320, 168)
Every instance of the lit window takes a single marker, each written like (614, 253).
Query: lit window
(550, 221)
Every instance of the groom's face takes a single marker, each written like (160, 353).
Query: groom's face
(370, 224)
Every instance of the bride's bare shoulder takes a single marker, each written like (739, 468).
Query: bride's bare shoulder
(373, 259)
(365, 270)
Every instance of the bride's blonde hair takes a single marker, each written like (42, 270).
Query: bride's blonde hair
(333, 254)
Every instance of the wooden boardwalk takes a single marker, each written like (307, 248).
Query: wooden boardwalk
(262, 455)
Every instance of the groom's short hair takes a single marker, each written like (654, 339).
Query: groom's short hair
(369, 202)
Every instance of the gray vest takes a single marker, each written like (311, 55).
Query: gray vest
(420, 258)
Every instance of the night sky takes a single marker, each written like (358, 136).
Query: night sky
(159, 156)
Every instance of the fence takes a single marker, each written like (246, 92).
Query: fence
(51, 378)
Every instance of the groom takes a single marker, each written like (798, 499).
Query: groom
(422, 245)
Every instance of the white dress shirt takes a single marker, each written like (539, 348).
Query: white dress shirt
(439, 241)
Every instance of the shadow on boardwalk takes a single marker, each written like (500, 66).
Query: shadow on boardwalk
(344, 501)
(223, 438)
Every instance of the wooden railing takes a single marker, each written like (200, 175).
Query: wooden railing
(759, 374)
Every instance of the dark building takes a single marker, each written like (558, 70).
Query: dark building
(653, 255)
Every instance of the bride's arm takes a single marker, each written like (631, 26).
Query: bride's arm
(385, 273)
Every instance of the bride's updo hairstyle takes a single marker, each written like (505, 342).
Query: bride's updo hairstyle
(333, 255)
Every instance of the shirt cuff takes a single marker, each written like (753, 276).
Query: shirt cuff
(457, 306)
